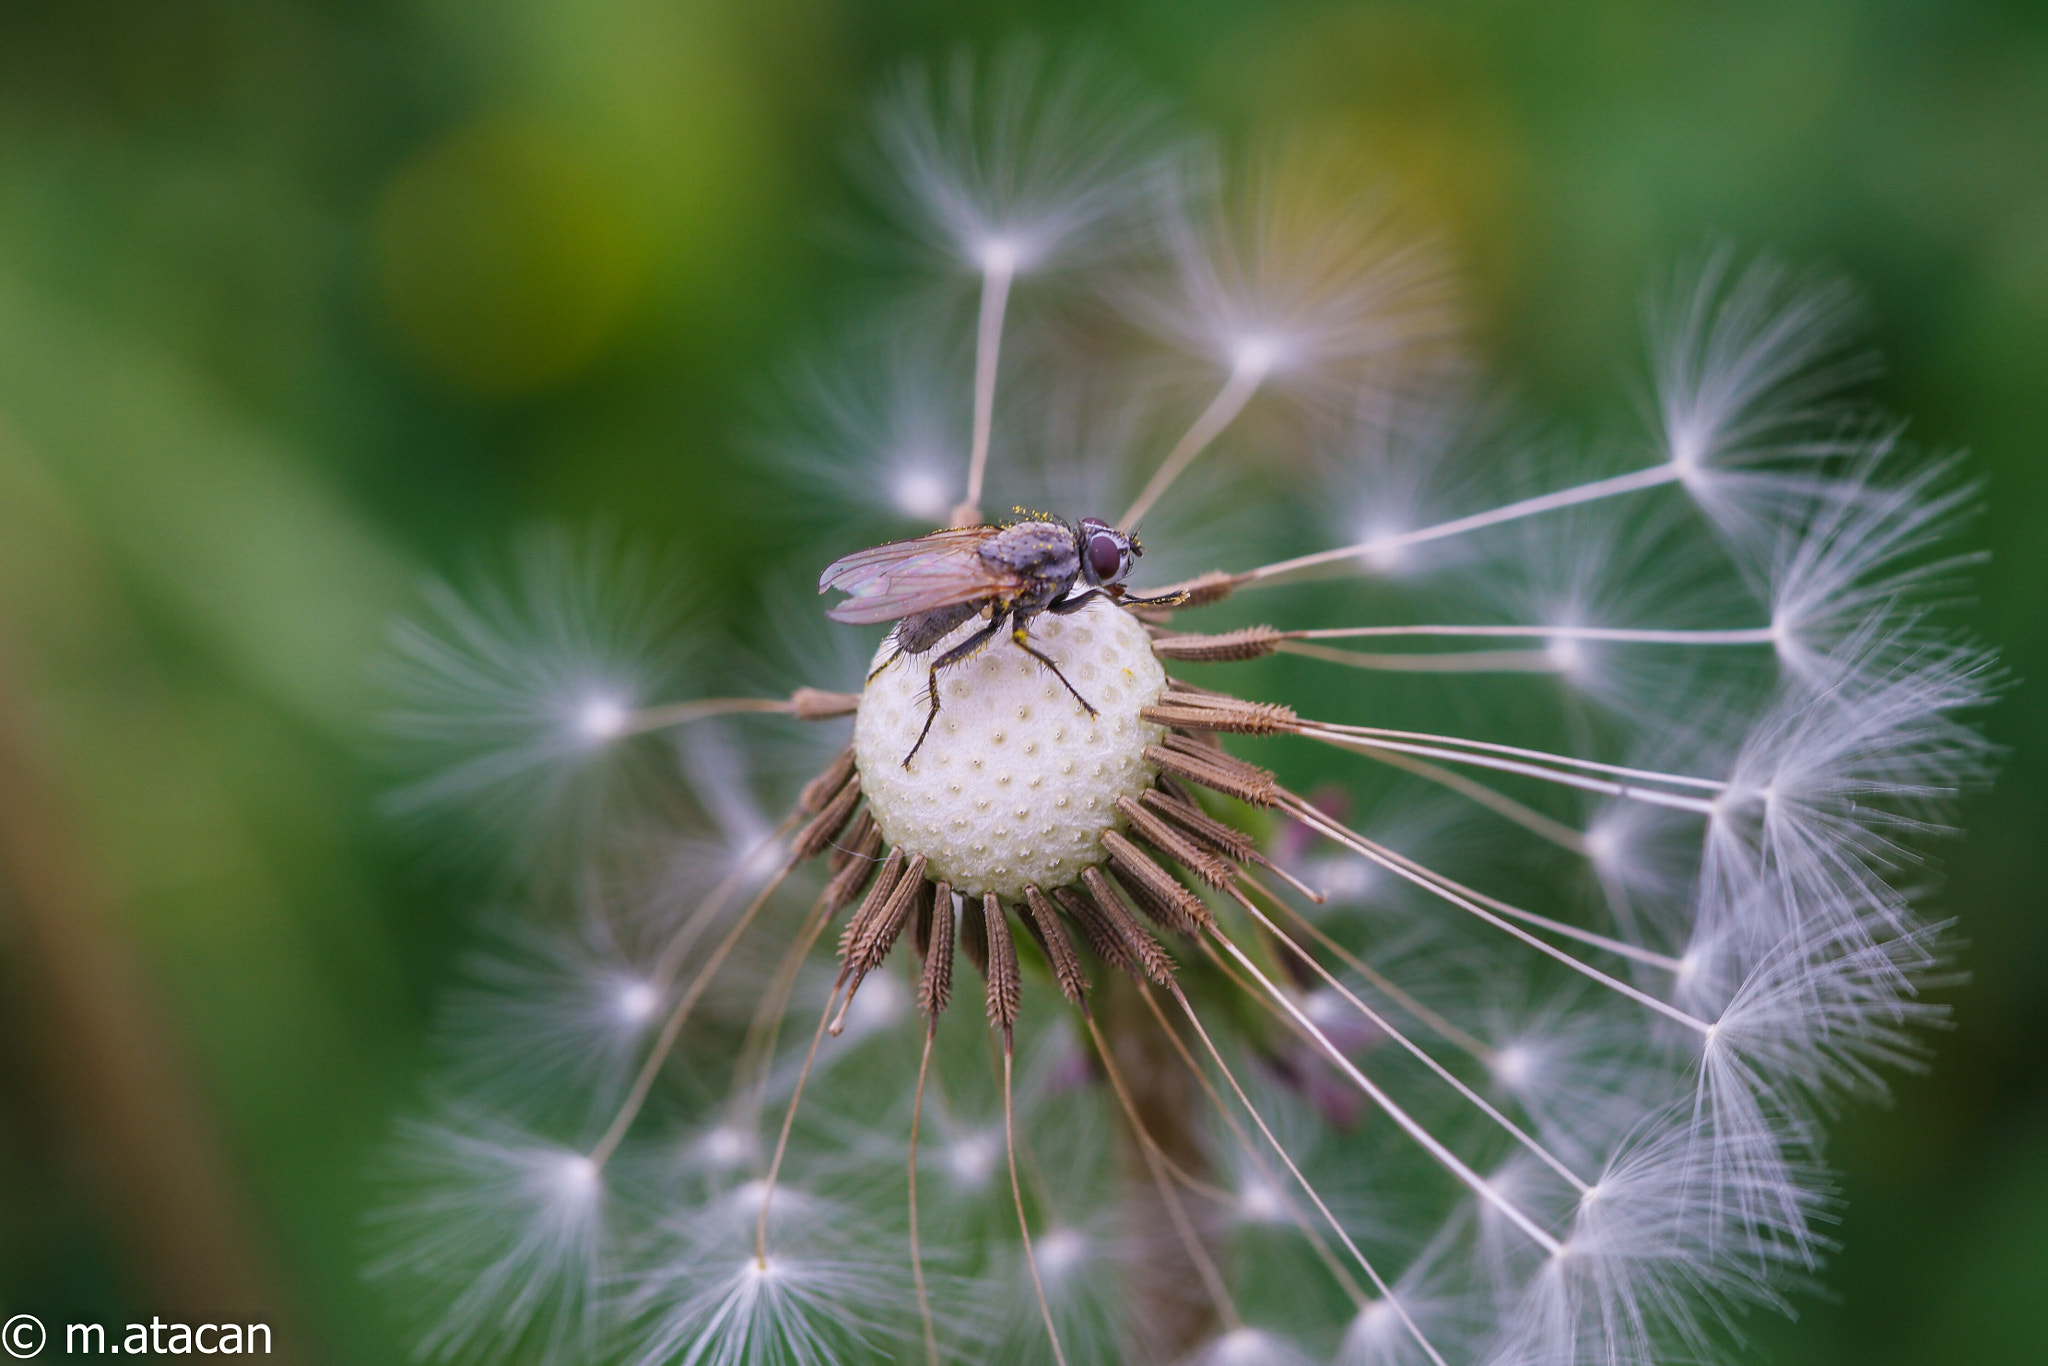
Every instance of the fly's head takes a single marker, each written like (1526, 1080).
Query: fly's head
(1106, 553)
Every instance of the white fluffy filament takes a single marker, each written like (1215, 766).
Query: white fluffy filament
(1330, 736)
(1393, 863)
(1379, 1282)
(1411, 1126)
(1414, 1049)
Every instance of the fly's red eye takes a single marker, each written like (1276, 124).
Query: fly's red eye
(1105, 557)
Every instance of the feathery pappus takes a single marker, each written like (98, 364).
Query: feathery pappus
(1440, 938)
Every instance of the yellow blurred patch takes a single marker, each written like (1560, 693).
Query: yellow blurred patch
(503, 261)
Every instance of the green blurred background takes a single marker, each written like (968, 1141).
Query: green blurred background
(302, 299)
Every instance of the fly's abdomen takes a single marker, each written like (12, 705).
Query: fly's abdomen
(920, 631)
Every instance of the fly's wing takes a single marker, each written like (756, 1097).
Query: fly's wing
(840, 573)
(893, 581)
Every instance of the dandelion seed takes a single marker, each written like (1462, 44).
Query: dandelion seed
(1538, 1075)
(1021, 161)
(524, 1218)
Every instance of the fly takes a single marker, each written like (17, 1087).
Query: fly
(931, 585)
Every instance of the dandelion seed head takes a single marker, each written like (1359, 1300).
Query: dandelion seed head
(1015, 782)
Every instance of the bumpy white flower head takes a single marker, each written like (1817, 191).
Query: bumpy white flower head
(1440, 942)
(1017, 782)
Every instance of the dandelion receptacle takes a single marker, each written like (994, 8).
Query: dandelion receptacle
(1429, 918)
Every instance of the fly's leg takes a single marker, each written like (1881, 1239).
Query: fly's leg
(920, 631)
(1024, 644)
(1079, 600)
(1163, 600)
(953, 656)
(894, 655)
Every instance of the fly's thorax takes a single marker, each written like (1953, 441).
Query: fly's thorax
(1036, 549)
(1016, 783)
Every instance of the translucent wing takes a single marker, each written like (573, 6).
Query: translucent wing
(840, 573)
(893, 581)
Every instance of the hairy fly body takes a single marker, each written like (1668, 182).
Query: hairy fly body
(933, 584)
